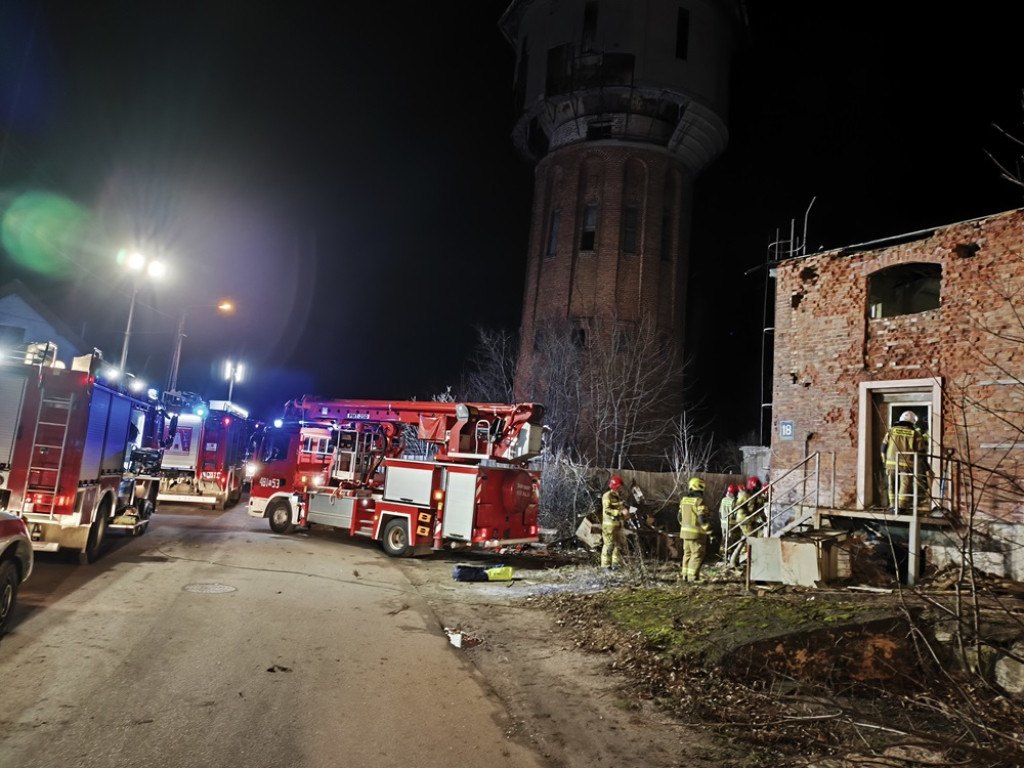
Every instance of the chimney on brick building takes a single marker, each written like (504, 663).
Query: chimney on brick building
(622, 103)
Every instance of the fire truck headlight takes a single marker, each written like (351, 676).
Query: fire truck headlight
(318, 480)
(250, 469)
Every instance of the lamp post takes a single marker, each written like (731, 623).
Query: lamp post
(233, 372)
(137, 263)
(172, 379)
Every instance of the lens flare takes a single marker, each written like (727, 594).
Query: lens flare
(43, 232)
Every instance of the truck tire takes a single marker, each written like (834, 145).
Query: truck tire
(396, 538)
(146, 508)
(96, 533)
(280, 514)
(8, 592)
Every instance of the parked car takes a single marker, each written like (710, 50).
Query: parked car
(15, 563)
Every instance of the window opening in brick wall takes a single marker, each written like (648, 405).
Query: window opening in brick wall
(579, 338)
(556, 215)
(904, 289)
(588, 232)
(682, 34)
(630, 218)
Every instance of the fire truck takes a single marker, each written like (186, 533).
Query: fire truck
(415, 476)
(204, 462)
(77, 457)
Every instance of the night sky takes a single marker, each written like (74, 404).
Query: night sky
(348, 178)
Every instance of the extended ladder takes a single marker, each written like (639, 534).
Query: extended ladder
(49, 442)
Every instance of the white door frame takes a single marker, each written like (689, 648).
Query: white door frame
(867, 442)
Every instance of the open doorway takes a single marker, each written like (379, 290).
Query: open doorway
(881, 404)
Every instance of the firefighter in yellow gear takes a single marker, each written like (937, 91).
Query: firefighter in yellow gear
(614, 514)
(727, 514)
(694, 528)
(903, 451)
(750, 510)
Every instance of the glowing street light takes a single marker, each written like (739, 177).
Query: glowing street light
(172, 379)
(138, 264)
(233, 372)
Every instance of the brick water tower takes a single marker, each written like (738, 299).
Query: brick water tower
(623, 103)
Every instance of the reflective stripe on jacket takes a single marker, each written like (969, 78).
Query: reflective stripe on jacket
(725, 509)
(693, 518)
(612, 507)
(902, 442)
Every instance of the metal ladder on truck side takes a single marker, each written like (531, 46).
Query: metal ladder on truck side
(50, 435)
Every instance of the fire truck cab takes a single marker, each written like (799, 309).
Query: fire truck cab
(286, 459)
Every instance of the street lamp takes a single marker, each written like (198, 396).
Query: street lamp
(172, 379)
(233, 372)
(138, 264)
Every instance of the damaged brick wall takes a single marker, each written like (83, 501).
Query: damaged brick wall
(827, 343)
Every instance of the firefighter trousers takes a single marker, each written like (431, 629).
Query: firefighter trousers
(694, 551)
(614, 542)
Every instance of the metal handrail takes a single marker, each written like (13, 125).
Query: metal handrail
(807, 501)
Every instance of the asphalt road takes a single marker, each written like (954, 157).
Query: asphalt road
(211, 641)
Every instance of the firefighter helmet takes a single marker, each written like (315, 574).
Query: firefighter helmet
(909, 416)
(753, 484)
(732, 490)
(696, 484)
(615, 483)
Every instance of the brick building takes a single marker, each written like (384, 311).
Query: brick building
(932, 322)
(622, 104)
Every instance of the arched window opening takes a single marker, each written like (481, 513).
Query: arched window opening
(904, 289)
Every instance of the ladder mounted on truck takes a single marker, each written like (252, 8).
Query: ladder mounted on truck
(470, 432)
(49, 442)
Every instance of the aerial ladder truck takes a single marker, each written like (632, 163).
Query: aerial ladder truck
(350, 464)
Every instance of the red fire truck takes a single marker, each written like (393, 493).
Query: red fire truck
(204, 462)
(77, 457)
(347, 464)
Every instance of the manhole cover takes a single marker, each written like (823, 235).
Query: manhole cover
(209, 589)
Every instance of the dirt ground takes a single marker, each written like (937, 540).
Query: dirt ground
(580, 693)
(566, 703)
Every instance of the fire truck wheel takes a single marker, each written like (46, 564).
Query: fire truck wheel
(8, 592)
(280, 514)
(396, 538)
(96, 534)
